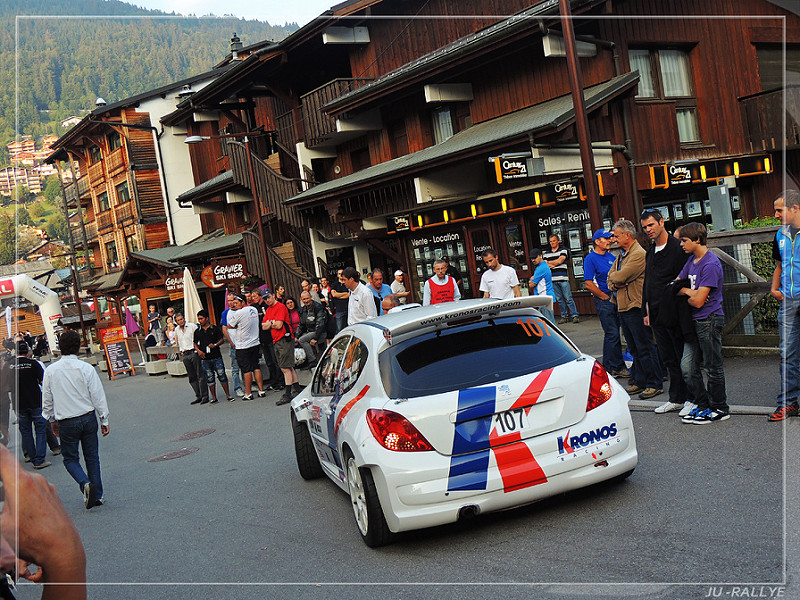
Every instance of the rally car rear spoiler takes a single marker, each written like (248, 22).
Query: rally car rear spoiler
(453, 312)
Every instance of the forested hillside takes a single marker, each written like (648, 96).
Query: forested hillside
(69, 52)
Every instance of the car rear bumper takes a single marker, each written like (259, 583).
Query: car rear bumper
(419, 491)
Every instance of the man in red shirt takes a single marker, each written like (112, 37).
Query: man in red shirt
(276, 320)
(441, 287)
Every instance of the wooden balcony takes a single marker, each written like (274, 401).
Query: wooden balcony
(272, 188)
(116, 161)
(125, 213)
(84, 188)
(96, 173)
(318, 126)
(91, 232)
(105, 220)
(761, 115)
(287, 132)
(71, 194)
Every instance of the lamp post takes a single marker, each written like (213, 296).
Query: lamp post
(196, 139)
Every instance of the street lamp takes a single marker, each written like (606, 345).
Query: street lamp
(196, 139)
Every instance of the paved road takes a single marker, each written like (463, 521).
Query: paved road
(704, 506)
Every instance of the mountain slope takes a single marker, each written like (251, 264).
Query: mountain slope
(70, 52)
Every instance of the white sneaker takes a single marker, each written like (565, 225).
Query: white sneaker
(687, 408)
(667, 407)
(240, 393)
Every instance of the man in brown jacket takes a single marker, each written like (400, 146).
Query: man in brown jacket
(625, 279)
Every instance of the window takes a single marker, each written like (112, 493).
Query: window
(111, 255)
(480, 353)
(360, 159)
(114, 141)
(771, 65)
(666, 74)
(123, 193)
(442, 124)
(131, 244)
(94, 155)
(326, 375)
(398, 138)
(102, 202)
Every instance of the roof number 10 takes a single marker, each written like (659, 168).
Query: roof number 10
(532, 327)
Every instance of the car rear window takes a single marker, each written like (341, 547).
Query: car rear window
(465, 356)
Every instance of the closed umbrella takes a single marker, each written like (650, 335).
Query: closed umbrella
(191, 299)
(133, 328)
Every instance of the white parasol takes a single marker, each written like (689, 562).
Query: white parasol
(191, 299)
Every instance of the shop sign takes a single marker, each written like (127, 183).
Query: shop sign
(679, 174)
(566, 191)
(510, 168)
(402, 223)
(174, 283)
(222, 272)
(441, 238)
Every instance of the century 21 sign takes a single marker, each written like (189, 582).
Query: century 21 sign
(510, 168)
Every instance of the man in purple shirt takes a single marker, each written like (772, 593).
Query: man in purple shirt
(704, 273)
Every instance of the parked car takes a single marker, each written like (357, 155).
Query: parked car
(435, 413)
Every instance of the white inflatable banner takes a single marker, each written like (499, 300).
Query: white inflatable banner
(44, 297)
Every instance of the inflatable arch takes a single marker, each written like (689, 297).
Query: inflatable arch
(47, 299)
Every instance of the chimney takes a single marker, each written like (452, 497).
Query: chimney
(185, 92)
(236, 45)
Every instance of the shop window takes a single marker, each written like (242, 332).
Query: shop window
(123, 193)
(666, 74)
(102, 202)
(111, 255)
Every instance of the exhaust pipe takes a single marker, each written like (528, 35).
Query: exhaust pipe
(469, 511)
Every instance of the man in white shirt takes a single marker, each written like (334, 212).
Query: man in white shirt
(244, 320)
(498, 281)
(194, 367)
(71, 395)
(399, 288)
(361, 305)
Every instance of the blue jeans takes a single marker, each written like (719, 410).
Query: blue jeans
(547, 314)
(564, 298)
(341, 321)
(612, 347)
(212, 366)
(706, 351)
(646, 372)
(789, 329)
(237, 380)
(81, 430)
(29, 419)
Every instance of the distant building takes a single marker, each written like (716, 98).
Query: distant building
(24, 145)
(70, 122)
(13, 176)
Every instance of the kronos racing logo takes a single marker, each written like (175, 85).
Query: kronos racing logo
(568, 445)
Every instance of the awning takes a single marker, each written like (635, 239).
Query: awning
(546, 117)
(208, 189)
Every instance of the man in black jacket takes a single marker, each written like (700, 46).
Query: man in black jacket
(311, 333)
(664, 260)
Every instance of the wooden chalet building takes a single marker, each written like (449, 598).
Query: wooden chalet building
(126, 176)
(389, 141)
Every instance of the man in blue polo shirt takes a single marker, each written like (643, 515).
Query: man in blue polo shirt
(786, 288)
(596, 265)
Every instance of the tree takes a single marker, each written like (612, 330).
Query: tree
(8, 240)
(21, 193)
(38, 210)
(23, 217)
(52, 188)
(58, 228)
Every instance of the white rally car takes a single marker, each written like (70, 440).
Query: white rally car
(435, 413)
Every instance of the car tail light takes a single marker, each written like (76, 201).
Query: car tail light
(395, 432)
(599, 387)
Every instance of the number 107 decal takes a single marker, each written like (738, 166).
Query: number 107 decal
(511, 421)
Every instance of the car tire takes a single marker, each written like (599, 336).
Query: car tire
(307, 459)
(366, 506)
(622, 477)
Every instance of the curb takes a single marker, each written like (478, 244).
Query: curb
(736, 409)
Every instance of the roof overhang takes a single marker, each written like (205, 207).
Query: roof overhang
(538, 120)
(207, 190)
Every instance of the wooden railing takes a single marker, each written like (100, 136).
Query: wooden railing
(287, 133)
(83, 186)
(96, 174)
(317, 125)
(324, 270)
(105, 220)
(115, 160)
(279, 272)
(750, 312)
(71, 194)
(303, 255)
(272, 188)
(761, 114)
(125, 212)
(91, 231)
